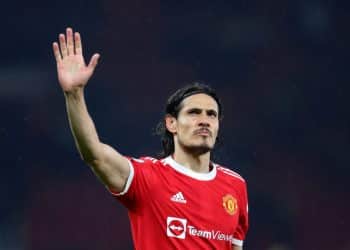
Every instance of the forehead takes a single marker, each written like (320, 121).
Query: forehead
(201, 101)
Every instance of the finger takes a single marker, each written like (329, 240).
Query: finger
(56, 52)
(70, 44)
(93, 62)
(63, 45)
(78, 46)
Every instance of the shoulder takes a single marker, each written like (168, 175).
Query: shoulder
(234, 180)
(230, 174)
(144, 161)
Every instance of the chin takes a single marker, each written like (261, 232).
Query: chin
(199, 149)
(196, 148)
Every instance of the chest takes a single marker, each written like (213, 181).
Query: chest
(204, 206)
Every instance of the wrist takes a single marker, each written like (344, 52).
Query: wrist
(74, 93)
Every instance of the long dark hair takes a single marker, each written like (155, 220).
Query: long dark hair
(173, 107)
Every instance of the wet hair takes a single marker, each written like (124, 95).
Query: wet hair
(173, 107)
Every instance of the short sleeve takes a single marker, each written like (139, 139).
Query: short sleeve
(138, 183)
(243, 222)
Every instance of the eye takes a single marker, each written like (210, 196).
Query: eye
(212, 113)
(194, 111)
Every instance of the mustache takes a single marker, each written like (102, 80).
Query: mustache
(200, 130)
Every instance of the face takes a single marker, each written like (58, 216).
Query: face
(196, 127)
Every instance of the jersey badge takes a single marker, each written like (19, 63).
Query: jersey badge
(230, 204)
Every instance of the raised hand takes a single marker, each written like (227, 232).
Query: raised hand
(72, 71)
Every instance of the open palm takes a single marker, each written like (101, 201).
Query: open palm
(71, 68)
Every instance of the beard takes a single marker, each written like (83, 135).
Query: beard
(196, 150)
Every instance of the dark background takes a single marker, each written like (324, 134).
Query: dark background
(280, 67)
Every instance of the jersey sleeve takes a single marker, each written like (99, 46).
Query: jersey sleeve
(138, 185)
(243, 224)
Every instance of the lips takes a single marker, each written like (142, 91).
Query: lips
(203, 131)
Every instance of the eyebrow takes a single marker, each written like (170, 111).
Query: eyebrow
(198, 110)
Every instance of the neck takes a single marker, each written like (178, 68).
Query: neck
(197, 163)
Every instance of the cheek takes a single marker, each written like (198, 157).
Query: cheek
(216, 130)
(185, 124)
(185, 131)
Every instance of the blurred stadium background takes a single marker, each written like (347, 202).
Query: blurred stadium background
(280, 67)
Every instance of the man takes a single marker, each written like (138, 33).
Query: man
(183, 201)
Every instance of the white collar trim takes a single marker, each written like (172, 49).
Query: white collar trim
(186, 171)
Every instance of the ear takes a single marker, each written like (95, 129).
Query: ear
(170, 123)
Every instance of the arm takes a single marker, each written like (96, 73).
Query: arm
(73, 74)
(243, 221)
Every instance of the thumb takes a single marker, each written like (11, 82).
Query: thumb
(93, 61)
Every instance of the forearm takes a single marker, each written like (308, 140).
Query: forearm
(82, 126)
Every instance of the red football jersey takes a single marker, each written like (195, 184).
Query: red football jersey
(172, 207)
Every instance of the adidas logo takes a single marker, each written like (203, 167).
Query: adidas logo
(178, 197)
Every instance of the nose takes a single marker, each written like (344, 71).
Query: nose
(204, 121)
(204, 124)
